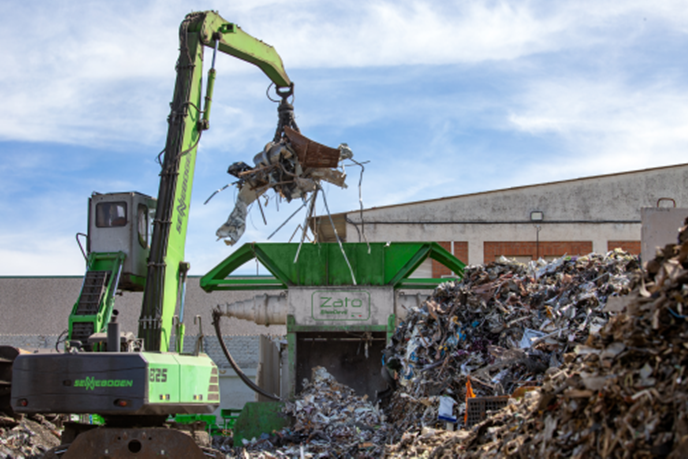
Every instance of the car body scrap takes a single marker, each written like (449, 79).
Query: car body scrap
(293, 166)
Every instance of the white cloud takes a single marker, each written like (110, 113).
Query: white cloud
(48, 256)
(101, 74)
(37, 233)
(417, 32)
(607, 125)
(97, 73)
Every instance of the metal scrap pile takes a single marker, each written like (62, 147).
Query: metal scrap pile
(503, 326)
(26, 438)
(293, 166)
(330, 420)
(624, 393)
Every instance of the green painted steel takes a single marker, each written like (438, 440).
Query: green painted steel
(175, 378)
(210, 421)
(194, 378)
(319, 265)
(186, 123)
(95, 303)
(163, 379)
(150, 383)
(237, 43)
(258, 418)
(229, 417)
(324, 265)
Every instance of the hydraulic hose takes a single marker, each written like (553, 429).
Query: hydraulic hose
(217, 315)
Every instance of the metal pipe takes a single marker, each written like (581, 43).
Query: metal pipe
(261, 309)
(217, 315)
(287, 220)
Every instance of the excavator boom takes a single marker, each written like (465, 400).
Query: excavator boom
(166, 267)
(103, 374)
(237, 43)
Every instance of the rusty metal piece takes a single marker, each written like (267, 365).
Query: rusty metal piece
(310, 153)
(673, 201)
(142, 443)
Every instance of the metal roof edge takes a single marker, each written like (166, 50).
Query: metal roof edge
(521, 187)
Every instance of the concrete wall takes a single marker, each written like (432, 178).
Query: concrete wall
(660, 227)
(41, 306)
(593, 211)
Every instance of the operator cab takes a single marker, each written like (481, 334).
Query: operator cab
(121, 222)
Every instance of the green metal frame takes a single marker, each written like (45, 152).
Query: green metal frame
(174, 382)
(111, 262)
(166, 264)
(180, 379)
(374, 264)
(323, 264)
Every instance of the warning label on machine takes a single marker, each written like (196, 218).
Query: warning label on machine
(328, 305)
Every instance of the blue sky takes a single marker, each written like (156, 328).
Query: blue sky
(443, 98)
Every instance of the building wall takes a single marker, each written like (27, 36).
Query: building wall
(580, 216)
(660, 227)
(41, 306)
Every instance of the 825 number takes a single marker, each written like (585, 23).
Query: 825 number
(157, 375)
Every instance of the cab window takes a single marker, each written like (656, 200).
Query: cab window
(111, 214)
(143, 225)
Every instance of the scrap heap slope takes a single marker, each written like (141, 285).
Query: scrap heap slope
(502, 327)
(27, 438)
(506, 325)
(329, 420)
(621, 394)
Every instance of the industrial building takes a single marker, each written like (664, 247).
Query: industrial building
(547, 220)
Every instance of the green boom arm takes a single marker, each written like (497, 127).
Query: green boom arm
(166, 267)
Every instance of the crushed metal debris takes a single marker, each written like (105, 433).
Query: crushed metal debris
(591, 355)
(27, 438)
(330, 420)
(293, 166)
(497, 331)
(622, 393)
(582, 377)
